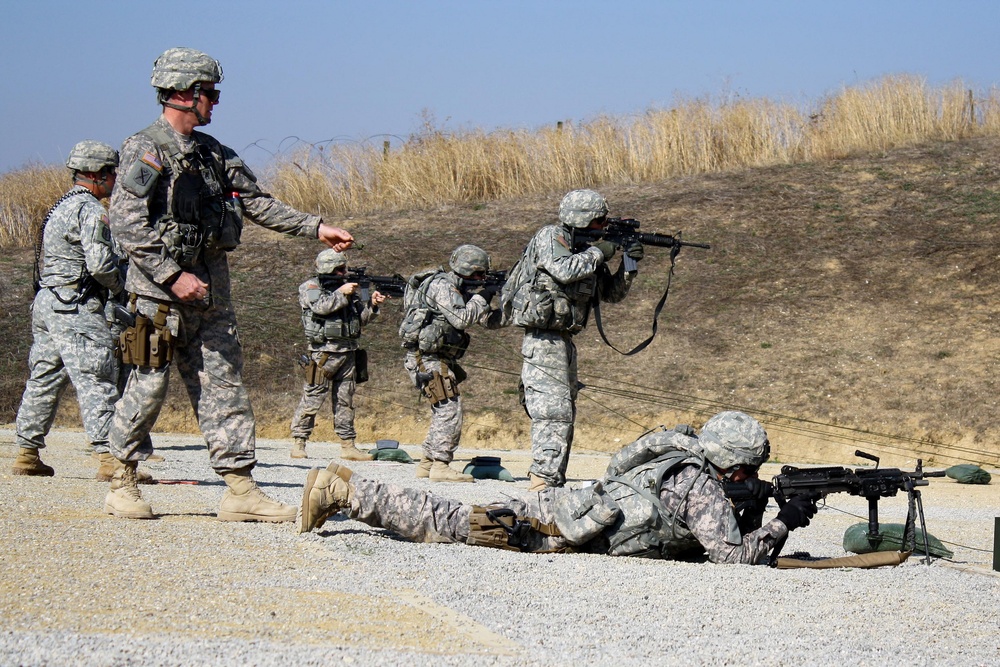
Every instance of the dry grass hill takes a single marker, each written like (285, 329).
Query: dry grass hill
(848, 303)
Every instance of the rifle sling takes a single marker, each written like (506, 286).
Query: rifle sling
(656, 313)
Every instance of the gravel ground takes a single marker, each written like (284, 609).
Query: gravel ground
(83, 588)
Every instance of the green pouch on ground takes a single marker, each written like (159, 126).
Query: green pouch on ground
(856, 540)
(388, 450)
(487, 467)
(968, 473)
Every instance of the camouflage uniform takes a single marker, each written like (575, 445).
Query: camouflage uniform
(703, 515)
(145, 214)
(549, 371)
(452, 315)
(71, 338)
(335, 355)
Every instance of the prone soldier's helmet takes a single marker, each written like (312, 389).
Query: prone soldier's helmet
(469, 259)
(329, 260)
(91, 156)
(579, 207)
(734, 438)
(180, 68)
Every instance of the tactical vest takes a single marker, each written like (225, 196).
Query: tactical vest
(424, 327)
(203, 211)
(625, 507)
(532, 298)
(343, 324)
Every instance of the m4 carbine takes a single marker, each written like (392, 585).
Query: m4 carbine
(623, 231)
(387, 285)
(872, 484)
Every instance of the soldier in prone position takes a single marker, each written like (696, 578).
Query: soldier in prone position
(616, 516)
(177, 210)
(332, 316)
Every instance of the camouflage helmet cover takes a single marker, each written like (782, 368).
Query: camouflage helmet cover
(91, 156)
(734, 438)
(579, 207)
(180, 68)
(469, 259)
(329, 260)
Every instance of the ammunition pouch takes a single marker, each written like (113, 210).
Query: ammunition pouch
(500, 528)
(360, 366)
(148, 343)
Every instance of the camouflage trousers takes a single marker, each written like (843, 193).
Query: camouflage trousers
(446, 416)
(549, 377)
(70, 344)
(421, 516)
(339, 383)
(209, 358)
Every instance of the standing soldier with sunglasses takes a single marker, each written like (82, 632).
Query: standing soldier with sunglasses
(177, 210)
(76, 270)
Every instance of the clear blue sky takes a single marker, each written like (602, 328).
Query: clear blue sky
(318, 71)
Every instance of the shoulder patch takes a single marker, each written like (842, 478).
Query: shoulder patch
(142, 175)
(563, 242)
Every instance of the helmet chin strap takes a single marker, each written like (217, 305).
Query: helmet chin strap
(194, 106)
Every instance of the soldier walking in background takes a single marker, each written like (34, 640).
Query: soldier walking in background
(332, 316)
(177, 210)
(77, 271)
(553, 288)
(675, 475)
(434, 335)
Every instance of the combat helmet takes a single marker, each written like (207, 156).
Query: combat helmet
(329, 260)
(579, 207)
(181, 68)
(468, 259)
(91, 156)
(734, 438)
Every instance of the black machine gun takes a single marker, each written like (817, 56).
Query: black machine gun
(623, 231)
(873, 484)
(387, 285)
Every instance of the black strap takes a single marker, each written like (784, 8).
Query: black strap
(656, 313)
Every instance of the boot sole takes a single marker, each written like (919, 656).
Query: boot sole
(304, 508)
(239, 516)
(127, 515)
(33, 473)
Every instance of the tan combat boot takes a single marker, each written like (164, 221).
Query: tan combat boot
(28, 462)
(424, 468)
(244, 501)
(299, 449)
(124, 500)
(110, 465)
(326, 492)
(350, 452)
(535, 483)
(442, 472)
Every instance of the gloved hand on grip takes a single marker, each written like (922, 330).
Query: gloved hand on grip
(488, 293)
(797, 512)
(635, 251)
(607, 248)
(758, 488)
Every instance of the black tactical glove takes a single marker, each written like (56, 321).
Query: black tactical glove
(635, 251)
(758, 488)
(797, 512)
(607, 248)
